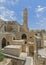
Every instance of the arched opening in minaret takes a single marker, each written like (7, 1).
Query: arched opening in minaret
(3, 42)
(24, 36)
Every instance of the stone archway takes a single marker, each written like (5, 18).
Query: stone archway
(3, 42)
(24, 36)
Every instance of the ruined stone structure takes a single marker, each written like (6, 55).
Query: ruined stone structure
(12, 30)
(39, 57)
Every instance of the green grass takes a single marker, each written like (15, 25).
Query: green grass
(1, 56)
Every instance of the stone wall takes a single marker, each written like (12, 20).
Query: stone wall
(7, 36)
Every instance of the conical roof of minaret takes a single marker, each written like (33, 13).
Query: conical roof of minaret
(25, 9)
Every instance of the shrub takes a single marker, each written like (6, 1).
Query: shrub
(1, 57)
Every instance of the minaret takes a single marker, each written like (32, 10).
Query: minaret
(25, 18)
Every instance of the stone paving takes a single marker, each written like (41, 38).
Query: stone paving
(5, 61)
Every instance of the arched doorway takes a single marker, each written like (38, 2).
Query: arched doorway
(24, 36)
(3, 42)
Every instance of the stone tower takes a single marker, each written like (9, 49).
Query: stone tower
(25, 18)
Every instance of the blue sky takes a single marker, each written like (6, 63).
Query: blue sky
(13, 10)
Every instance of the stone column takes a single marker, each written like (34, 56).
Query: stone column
(27, 49)
(35, 51)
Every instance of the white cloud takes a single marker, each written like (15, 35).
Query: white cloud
(7, 14)
(40, 12)
(41, 23)
(17, 0)
(2, 7)
(3, 18)
(13, 2)
(40, 9)
(41, 17)
(2, 1)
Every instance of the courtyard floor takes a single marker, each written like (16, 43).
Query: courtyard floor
(5, 61)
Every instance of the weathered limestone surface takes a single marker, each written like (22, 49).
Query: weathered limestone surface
(6, 61)
(13, 50)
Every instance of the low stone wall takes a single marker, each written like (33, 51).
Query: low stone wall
(20, 42)
(13, 50)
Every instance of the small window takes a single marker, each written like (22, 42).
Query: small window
(4, 28)
(30, 37)
(25, 42)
